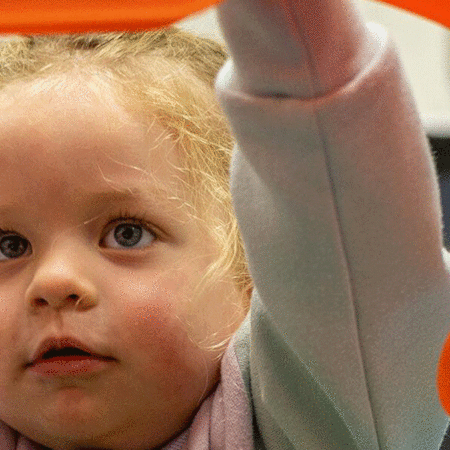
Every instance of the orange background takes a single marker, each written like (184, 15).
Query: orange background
(79, 16)
(71, 16)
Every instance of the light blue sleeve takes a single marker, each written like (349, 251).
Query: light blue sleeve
(337, 199)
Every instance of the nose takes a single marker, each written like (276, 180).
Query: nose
(61, 280)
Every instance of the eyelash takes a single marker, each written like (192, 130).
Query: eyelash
(6, 231)
(126, 216)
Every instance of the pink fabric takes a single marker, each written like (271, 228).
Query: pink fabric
(224, 421)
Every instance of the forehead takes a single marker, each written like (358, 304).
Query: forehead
(83, 135)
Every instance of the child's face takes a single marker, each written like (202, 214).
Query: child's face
(97, 247)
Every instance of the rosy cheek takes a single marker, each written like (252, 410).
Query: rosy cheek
(150, 322)
(163, 356)
(149, 326)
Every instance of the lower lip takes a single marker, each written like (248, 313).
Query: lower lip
(69, 366)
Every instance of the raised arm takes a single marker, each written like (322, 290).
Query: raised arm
(338, 203)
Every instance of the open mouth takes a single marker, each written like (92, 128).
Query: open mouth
(64, 358)
(66, 352)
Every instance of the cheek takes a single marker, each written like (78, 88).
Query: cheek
(12, 325)
(152, 326)
(153, 329)
(161, 352)
(14, 334)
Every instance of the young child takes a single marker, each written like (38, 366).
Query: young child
(123, 281)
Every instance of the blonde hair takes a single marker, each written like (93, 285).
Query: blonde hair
(170, 74)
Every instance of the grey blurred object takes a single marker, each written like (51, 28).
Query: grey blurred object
(438, 132)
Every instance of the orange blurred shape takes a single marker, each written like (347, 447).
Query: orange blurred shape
(78, 16)
(443, 376)
(83, 16)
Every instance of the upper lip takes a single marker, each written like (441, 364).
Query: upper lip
(57, 343)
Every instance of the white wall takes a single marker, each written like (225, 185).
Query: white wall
(423, 45)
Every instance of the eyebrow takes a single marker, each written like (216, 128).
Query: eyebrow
(153, 188)
(150, 195)
(157, 203)
(130, 194)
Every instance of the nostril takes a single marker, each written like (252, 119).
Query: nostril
(40, 302)
(61, 301)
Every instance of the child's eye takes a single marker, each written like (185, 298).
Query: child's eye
(128, 235)
(13, 246)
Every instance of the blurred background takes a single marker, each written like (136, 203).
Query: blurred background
(424, 47)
